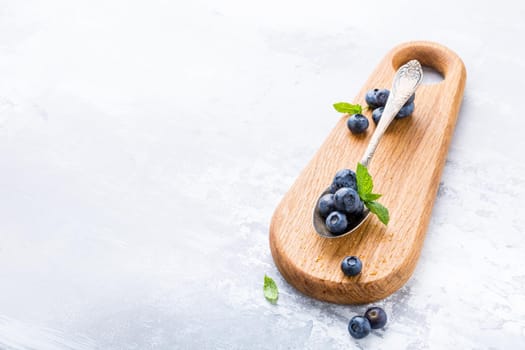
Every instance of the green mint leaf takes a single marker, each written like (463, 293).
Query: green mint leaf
(344, 107)
(379, 210)
(364, 181)
(271, 293)
(370, 197)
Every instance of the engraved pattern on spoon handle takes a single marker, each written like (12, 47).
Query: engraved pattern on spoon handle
(407, 79)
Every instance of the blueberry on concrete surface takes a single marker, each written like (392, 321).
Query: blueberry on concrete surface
(326, 205)
(377, 113)
(405, 111)
(357, 123)
(343, 178)
(351, 265)
(336, 222)
(359, 327)
(376, 316)
(347, 200)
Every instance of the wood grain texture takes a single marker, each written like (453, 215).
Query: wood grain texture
(406, 168)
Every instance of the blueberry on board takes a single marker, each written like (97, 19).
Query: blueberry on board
(376, 316)
(377, 113)
(411, 99)
(370, 98)
(382, 97)
(357, 123)
(343, 178)
(351, 265)
(354, 219)
(405, 111)
(359, 327)
(347, 200)
(336, 223)
(377, 97)
(326, 205)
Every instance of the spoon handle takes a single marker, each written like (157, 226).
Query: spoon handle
(407, 79)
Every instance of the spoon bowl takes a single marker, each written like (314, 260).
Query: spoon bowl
(407, 79)
(320, 226)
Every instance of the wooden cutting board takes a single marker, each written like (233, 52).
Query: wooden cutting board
(406, 168)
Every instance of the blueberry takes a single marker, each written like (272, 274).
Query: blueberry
(382, 97)
(371, 98)
(411, 99)
(343, 178)
(354, 219)
(357, 123)
(336, 222)
(377, 97)
(377, 113)
(359, 327)
(405, 111)
(326, 204)
(376, 316)
(347, 200)
(351, 265)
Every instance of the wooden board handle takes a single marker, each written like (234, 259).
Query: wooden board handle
(431, 55)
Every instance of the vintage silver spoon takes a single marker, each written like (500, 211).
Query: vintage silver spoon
(407, 79)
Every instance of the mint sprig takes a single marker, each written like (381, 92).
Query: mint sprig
(370, 197)
(271, 293)
(345, 107)
(380, 210)
(365, 185)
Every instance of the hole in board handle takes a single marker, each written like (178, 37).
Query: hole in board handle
(435, 61)
(431, 76)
